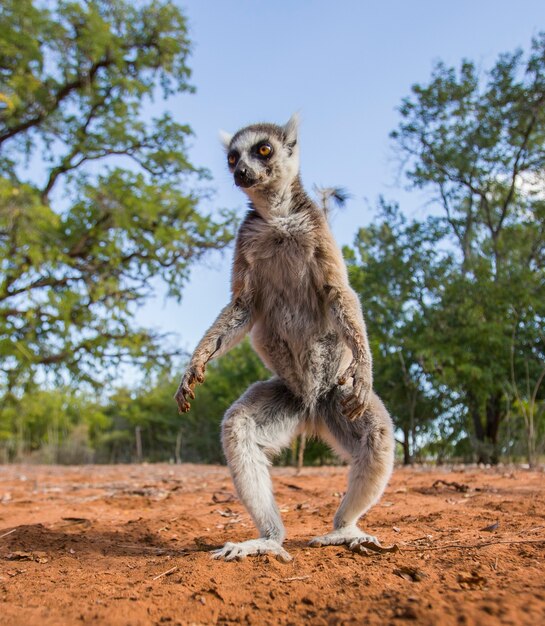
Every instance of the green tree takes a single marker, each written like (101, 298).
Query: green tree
(478, 144)
(396, 268)
(97, 196)
(53, 426)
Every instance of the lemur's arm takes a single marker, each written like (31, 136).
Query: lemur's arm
(227, 331)
(345, 311)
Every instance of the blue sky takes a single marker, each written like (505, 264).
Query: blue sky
(345, 66)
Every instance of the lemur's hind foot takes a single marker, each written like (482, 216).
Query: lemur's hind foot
(238, 551)
(354, 538)
(349, 536)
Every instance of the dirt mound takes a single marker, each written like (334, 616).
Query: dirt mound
(130, 545)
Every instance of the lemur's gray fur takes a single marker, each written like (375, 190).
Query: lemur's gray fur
(290, 291)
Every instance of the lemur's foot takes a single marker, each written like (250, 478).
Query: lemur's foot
(232, 551)
(350, 536)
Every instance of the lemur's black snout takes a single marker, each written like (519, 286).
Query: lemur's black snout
(243, 175)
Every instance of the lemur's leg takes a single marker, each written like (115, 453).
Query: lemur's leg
(258, 425)
(369, 442)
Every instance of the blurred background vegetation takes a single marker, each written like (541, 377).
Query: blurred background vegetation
(97, 201)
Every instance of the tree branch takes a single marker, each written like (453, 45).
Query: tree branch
(66, 163)
(515, 171)
(61, 94)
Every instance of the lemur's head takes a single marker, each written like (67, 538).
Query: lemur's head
(263, 156)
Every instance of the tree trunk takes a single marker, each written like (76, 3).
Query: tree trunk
(138, 436)
(475, 412)
(293, 452)
(493, 420)
(487, 434)
(20, 449)
(407, 460)
(531, 441)
(301, 453)
(412, 450)
(178, 448)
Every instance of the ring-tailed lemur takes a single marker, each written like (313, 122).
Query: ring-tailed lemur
(290, 291)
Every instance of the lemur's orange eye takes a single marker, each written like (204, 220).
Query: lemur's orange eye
(233, 157)
(264, 150)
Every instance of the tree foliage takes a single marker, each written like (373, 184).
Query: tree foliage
(96, 192)
(478, 144)
(395, 267)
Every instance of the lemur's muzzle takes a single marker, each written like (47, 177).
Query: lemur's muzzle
(244, 177)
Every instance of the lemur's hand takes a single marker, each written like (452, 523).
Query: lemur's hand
(358, 397)
(193, 375)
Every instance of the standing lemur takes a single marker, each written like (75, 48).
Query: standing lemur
(290, 291)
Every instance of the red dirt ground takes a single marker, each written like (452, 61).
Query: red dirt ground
(130, 545)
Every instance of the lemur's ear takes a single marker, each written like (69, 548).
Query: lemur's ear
(291, 129)
(225, 139)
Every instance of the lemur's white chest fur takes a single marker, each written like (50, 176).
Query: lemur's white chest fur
(285, 239)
